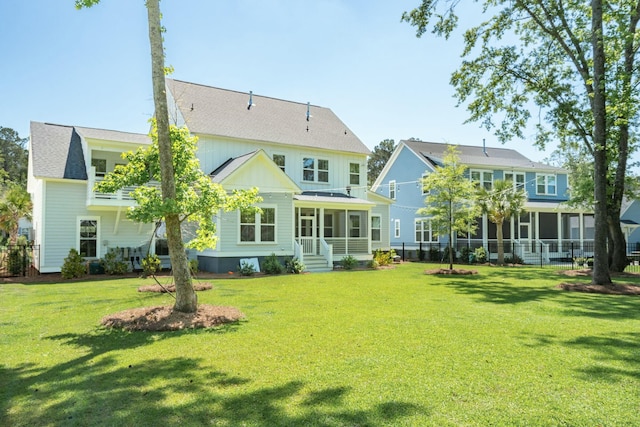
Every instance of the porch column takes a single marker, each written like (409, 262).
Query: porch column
(559, 231)
(581, 216)
(537, 225)
(485, 231)
(346, 231)
(368, 219)
(321, 224)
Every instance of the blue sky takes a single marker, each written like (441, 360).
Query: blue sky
(92, 67)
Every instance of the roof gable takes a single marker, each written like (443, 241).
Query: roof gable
(219, 112)
(254, 169)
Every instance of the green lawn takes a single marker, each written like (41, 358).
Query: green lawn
(365, 348)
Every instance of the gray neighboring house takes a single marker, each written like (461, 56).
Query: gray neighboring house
(310, 169)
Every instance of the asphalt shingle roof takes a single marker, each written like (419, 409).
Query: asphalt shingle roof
(477, 156)
(219, 112)
(56, 150)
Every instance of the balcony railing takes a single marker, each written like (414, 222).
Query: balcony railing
(122, 197)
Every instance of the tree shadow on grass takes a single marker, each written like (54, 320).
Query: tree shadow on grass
(507, 290)
(102, 388)
(621, 350)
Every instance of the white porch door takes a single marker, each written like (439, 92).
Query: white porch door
(525, 236)
(307, 236)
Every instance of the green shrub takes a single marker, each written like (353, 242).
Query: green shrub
(113, 263)
(193, 265)
(384, 258)
(372, 264)
(349, 262)
(466, 255)
(434, 254)
(17, 260)
(481, 255)
(246, 269)
(445, 254)
(294, 266)
(515, 259)
(150, 265)
(74, 265)
(271, 265)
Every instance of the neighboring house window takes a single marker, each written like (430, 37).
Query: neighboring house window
(392, 190)
(375, 228)
(354, 173)
(517, 178)
(309, 170)
(279, 160)
(396, 228)
(88, 237)
(354, 225)
(162, 247)
(546, 184)
(258, 227)
(424, 232)
(100, 165)
(483, 178)
(422, 189)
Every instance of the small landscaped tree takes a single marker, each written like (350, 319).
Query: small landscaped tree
(501, 203)
(197, 201)
(14, 204)
(450, 203)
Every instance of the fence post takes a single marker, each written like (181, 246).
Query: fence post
(402, 251)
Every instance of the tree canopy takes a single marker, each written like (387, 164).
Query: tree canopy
(198, 200)
(568, 69)
(378, 159)
(450, 203)
(13, 157)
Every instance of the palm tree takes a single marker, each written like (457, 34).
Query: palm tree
(15, 204)
(501, 203)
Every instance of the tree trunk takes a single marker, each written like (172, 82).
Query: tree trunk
(186, 300)
(500, 237)
(618, 244)
(600, 274)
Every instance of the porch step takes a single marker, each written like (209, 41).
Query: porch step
(316, 264)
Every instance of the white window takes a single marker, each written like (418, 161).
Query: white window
(424, 232)
(354, 173)
(100, 165)
(483, 178)
(546, 184)
(396, 228)
(280, 160)
(309, 172)
(516, 178)
(423, 191)
(392, 190)
(375, 228)
(258, 227)
(88, 237)
(354, 225)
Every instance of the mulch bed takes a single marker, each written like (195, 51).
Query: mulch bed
(164, 318)
(612, 289)
(172, 288)
(455, 271)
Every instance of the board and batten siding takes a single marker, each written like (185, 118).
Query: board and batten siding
(229, 231)
(213, 152)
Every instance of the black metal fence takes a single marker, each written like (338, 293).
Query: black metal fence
(564, 255)
(19, 260)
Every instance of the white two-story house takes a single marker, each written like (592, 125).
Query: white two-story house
(310, 169)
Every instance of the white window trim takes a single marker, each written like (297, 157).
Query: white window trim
(285, 161)
(434, 238)
(98, 241)
(379, 228)
(482, 181)
(515, 180)
(351, 174)
(396, 228)
(316, 170)
(546, 184)
(392, 189)
(258, 223)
